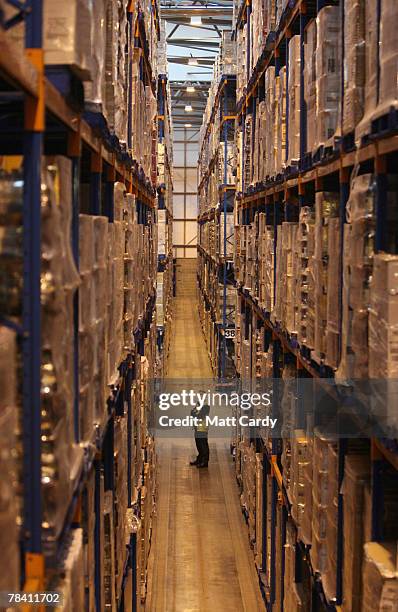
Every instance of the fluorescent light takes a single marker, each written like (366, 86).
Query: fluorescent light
(192, 61)
(190, 89)
(196, 20)
(188, 108)
(188, 125)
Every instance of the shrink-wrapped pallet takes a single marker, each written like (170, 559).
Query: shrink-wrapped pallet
(305, 526)
(9, 502)
(294, 100)
(280, 121)
(328, 73)
(59, 279)
(383, 340)
(71, 587)
(388, 94)
(326, 207)
(371, 67)
(379, 577)
(333, 293)
(305, 245)
(383, 321)
(324, 504)
(310, 83)
(354, 63)
(67, 35)
(94, 90)
(300, 460)
(109, 601)
(356, 479)
(357, 270)
(120, 497)
(270, 121)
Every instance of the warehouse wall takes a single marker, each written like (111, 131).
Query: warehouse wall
(186, 146)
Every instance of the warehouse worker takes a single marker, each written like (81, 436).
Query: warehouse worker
(201, 437)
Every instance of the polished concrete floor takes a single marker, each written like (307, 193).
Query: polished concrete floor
(200, 559)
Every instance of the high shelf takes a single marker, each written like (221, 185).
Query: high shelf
(216, 196)
(78, 297)
(316, 244)
(165, 206)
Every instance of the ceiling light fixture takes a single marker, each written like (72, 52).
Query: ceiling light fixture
(196, 20)
(192, 61)
(190, 89)
(187, 125)
(188, 108)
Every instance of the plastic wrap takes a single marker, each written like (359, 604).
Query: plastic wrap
(109, 602)
(280, 121)
(371, 67)
(333, 293)
(86, 244)
(284, 303)
(328, 73)
(388, 94)
(88, 523)
(310, 83)
(326, 207)
(11, 243)
(379, 578)
(324, 493)
(67, 35)
(354, 63)
(94, 91)
(121, 83)
(357, 270)
(71, 586)
(294, 100)
(269, 123)
(383, 321)
(120, 498)
(300, 459)
(57, 384)
(356, 479)
(9, 503)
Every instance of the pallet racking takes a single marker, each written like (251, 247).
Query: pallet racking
(367, 147)
(165, 213)
(54, 124)
(216, 193)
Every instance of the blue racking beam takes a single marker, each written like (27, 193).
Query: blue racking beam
(33, 146)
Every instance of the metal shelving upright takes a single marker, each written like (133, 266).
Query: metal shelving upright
(222, 262)
(51, 125)
(329, 168)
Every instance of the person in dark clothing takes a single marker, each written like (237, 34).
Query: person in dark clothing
(201, 437)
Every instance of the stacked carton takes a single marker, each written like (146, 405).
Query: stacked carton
(328, 73)
(324, 505)
(355, 484)
(310, 46)
(294, 100)
(354, 63)
(357, 271)
(326, 208)
(380, 581)
(305, 246)
(9, 503)
(383, 340)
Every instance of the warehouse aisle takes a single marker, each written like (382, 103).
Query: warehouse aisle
(200, 558)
